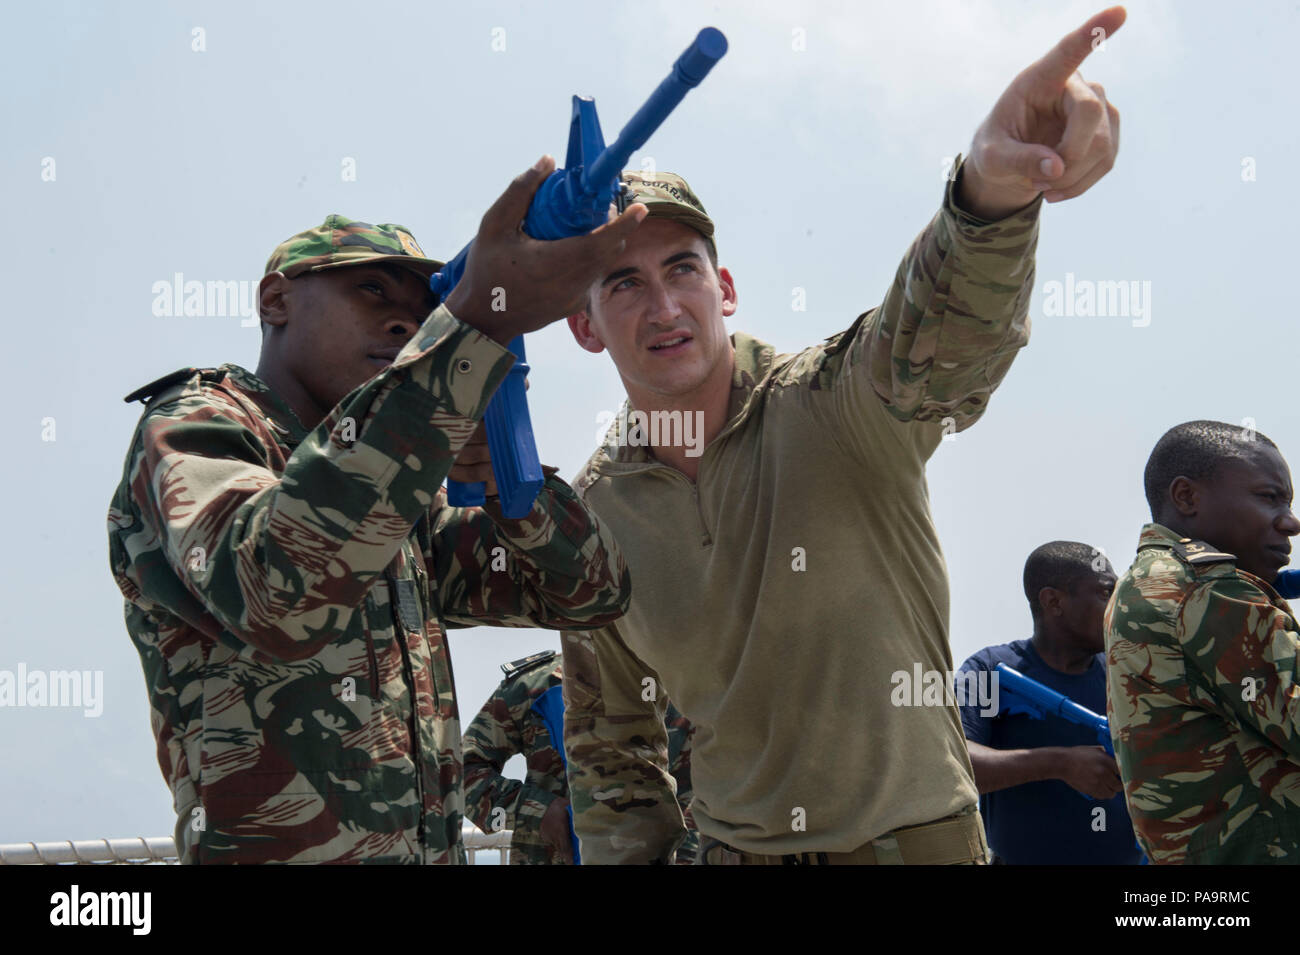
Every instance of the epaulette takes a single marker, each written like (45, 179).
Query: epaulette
(516, 667)
(147, 392)
(1199, 552)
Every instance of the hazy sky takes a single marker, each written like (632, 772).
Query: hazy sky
(144, 140)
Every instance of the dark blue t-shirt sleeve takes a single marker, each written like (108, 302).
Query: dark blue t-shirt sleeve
(978, 729)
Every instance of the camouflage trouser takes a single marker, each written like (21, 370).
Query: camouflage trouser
(954, 840)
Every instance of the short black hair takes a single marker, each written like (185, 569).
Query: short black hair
(1058, 564)
(1194, 450)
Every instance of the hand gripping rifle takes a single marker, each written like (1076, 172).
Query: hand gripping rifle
(572, 201)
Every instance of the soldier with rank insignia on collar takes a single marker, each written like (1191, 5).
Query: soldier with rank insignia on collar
(1203, 654)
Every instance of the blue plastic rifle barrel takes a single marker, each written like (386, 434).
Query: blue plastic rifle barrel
(574, 200)
(691, 67)
(1051, 701)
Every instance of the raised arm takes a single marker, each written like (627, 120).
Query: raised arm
(557, 567)
(280, 561)
(957, 312)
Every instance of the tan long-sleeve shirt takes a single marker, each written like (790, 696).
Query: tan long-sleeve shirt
(775, 598)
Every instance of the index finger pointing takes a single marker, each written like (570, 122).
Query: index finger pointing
(1063, 59)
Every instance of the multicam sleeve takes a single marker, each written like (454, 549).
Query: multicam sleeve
(489, 741)
(1246, 651)
(680, 732)
(949, 326)
(558, 567)
(282, 561)
(623, 799)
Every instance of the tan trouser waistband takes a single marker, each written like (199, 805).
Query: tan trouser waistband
(955, 840)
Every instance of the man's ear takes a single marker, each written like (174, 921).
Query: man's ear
(271, 293)
(1185, 494)
(584, 334)
(729, 300)
(1049, 601)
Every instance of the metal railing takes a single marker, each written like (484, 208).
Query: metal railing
(161, 850)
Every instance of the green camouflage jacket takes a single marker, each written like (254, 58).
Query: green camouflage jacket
(507, 725)
(288, 592)
(810, 505)
(1204, 705)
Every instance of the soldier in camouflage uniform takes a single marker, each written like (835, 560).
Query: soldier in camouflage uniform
(289, 562)
(787, 567)
(1203, 655)
(535, 810)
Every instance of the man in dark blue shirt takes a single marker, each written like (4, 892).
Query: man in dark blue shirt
(1049, 794)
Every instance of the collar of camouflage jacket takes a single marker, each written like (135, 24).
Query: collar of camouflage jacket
(1197, 553)
(753, 361)
(272, 405)
(1157, 535)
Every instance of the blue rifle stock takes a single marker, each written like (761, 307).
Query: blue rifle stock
(1020, 694)
(572, 201)
(1288, 584)
(550, 707)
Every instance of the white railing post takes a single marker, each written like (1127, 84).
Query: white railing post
(162, 849)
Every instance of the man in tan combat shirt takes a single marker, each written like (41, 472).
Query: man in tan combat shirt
(783, 574)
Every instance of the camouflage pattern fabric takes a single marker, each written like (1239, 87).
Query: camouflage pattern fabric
(667, 196)
(341, 241)
(1204, 705)
(824, 449)
(288, 593)
(507, 725)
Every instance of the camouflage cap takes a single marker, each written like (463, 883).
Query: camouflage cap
(340, 241)
(667, 196)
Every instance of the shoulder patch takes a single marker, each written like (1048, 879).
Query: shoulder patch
(1199, 552)
(516, 667)
(147, 392)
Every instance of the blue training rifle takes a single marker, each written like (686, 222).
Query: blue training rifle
(550, 707)
(572, 201)
(1019, 694)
